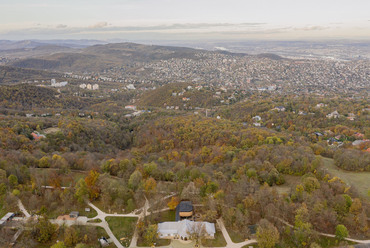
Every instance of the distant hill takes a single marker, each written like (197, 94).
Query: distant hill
(100, 57)
(42, 50)
(9, 75)
(10, 45)
(270, 56)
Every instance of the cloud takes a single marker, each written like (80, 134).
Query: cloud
(61, 26)
(311, 28)
(174, 31)
(99, 25)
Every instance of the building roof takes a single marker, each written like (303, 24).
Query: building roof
(184, 227)
(184, 206)
(6, 218)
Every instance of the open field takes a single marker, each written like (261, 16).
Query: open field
(290, 181)
(158, 242)
(169, 215)
(218, 241)
(235, 236)
(122, 227)
(359, 180)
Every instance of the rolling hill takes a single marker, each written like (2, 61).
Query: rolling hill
(101, 57)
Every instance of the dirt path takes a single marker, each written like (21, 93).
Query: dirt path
(23, 209)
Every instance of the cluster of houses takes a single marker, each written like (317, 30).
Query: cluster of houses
(185, 225)
(58, 85)
(89, 86)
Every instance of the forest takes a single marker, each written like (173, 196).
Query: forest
(264, 176)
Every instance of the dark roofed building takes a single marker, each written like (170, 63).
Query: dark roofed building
(74, 214)
(184, 210)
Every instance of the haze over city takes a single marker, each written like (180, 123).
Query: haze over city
(185, 20)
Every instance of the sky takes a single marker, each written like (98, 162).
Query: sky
(184, 19)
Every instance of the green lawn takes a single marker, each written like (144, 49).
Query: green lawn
(218, 241)
(106, 209)
(169, 215)
(80, 209)
(122, 227)
(235, 236)
(158, 242)
(358, 180)
(90, 214)
(252, 245)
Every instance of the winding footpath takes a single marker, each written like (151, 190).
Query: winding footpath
(23, 209)
(327, 234)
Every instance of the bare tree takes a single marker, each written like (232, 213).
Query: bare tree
(197, 231)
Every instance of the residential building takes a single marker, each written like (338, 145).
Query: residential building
(183, 229)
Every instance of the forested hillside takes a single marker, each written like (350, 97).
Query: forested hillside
(30, 96)
(9, 74)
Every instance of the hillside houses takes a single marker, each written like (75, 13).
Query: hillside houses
(334, 115)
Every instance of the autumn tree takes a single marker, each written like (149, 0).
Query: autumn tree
(150, 235)
(92, 184)
(43, 230)
(13, 180)
(303, 228)
(135, 180)
(44, 162)
(150, 168)
(267, 234)
(82, 191)
(150, 185)
(172, 204)
(70, 236)
(341, 232)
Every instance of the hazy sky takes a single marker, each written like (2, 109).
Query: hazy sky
(184, 19)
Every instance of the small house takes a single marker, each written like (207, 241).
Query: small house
(74, 214)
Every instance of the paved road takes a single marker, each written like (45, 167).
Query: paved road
(104, 224)
(229, 242)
